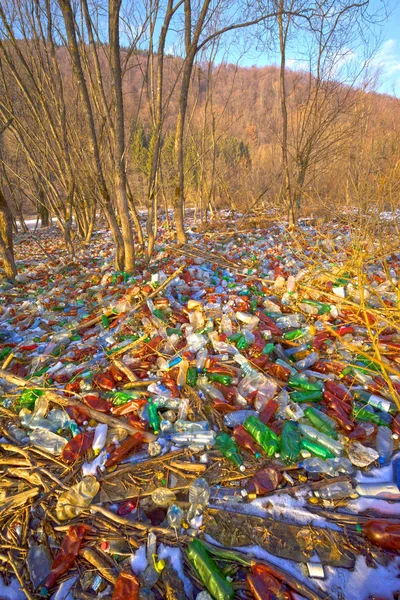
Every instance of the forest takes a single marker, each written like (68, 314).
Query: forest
(107, 111)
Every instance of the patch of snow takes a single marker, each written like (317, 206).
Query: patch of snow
(12, 591)
(174, 555)
(139, 560)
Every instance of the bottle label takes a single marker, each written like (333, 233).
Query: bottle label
(379, 403)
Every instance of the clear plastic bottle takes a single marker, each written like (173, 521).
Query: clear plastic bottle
(320, 438)
(199, 495)
(71, 503)
(48, 441)
(39, 562)
(163, 496)
(99, 439)
(238, 417)
(201, 437)
(384, 491)
(384, 444)
(201, 359)
(335, 491)
(175, 516)
(154, 566)
(308, 361)
(360, 455)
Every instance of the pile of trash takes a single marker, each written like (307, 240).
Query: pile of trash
(224, 424)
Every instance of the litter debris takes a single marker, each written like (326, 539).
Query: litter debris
(237, 403)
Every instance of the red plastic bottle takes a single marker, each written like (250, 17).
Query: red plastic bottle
(244, 440)
(77, 446)
(264, 481)
(363, 432)
(124, 449)
(383, 534)
(265, 586)
(337, 390)
(126, 587)
(78, 414)
(97, 403)
(277, 371)
(268, 410)
(66, 555)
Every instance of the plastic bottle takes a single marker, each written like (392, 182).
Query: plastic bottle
(317, 465)
(227, 446)
(71, 503)
(154, 418)
(290, 442)
(396, 470)
(263, 585)
(385, 491)
(99, 440)
(65, 557)
(307, 362)
(244, 440)
(38, 561)
(126, 587)
(361, 456)
(174, 516)
(300, 383)
(48, 441)
(374, 401)
(263, 482)
(155, 566)
(384, 534)
(77, 446)
(199, 495)
(97, 464)
(208, 571)
(320, 438)
(367, 413)
(289, 321)
(264, 436)
(306, 396)
(131, 443)
(201, 359)
(238, 417)
(316, 449)
(182, 373)
(206, 438)
(384, 444)
(321, 422)
(163, 496)
(335, 490)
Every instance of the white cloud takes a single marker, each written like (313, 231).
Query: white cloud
(387, 63)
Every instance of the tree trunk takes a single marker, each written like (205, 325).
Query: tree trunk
(6, 238)
(119, 154)
(43, 212)
(284, 144)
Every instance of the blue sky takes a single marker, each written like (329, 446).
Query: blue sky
(385, 61)
(388, 55)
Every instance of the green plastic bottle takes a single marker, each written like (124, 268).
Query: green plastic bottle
(316, 419)
(228, 448)
(363, 414)
(290, 442)
(191, 376)
(219, 378)
(154, 419)
(306, 396)
(263, 435)
(208, 571)
(299, 383)
(323, 308)
(316, 449)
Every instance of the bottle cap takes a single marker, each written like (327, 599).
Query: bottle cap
(104, 545)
